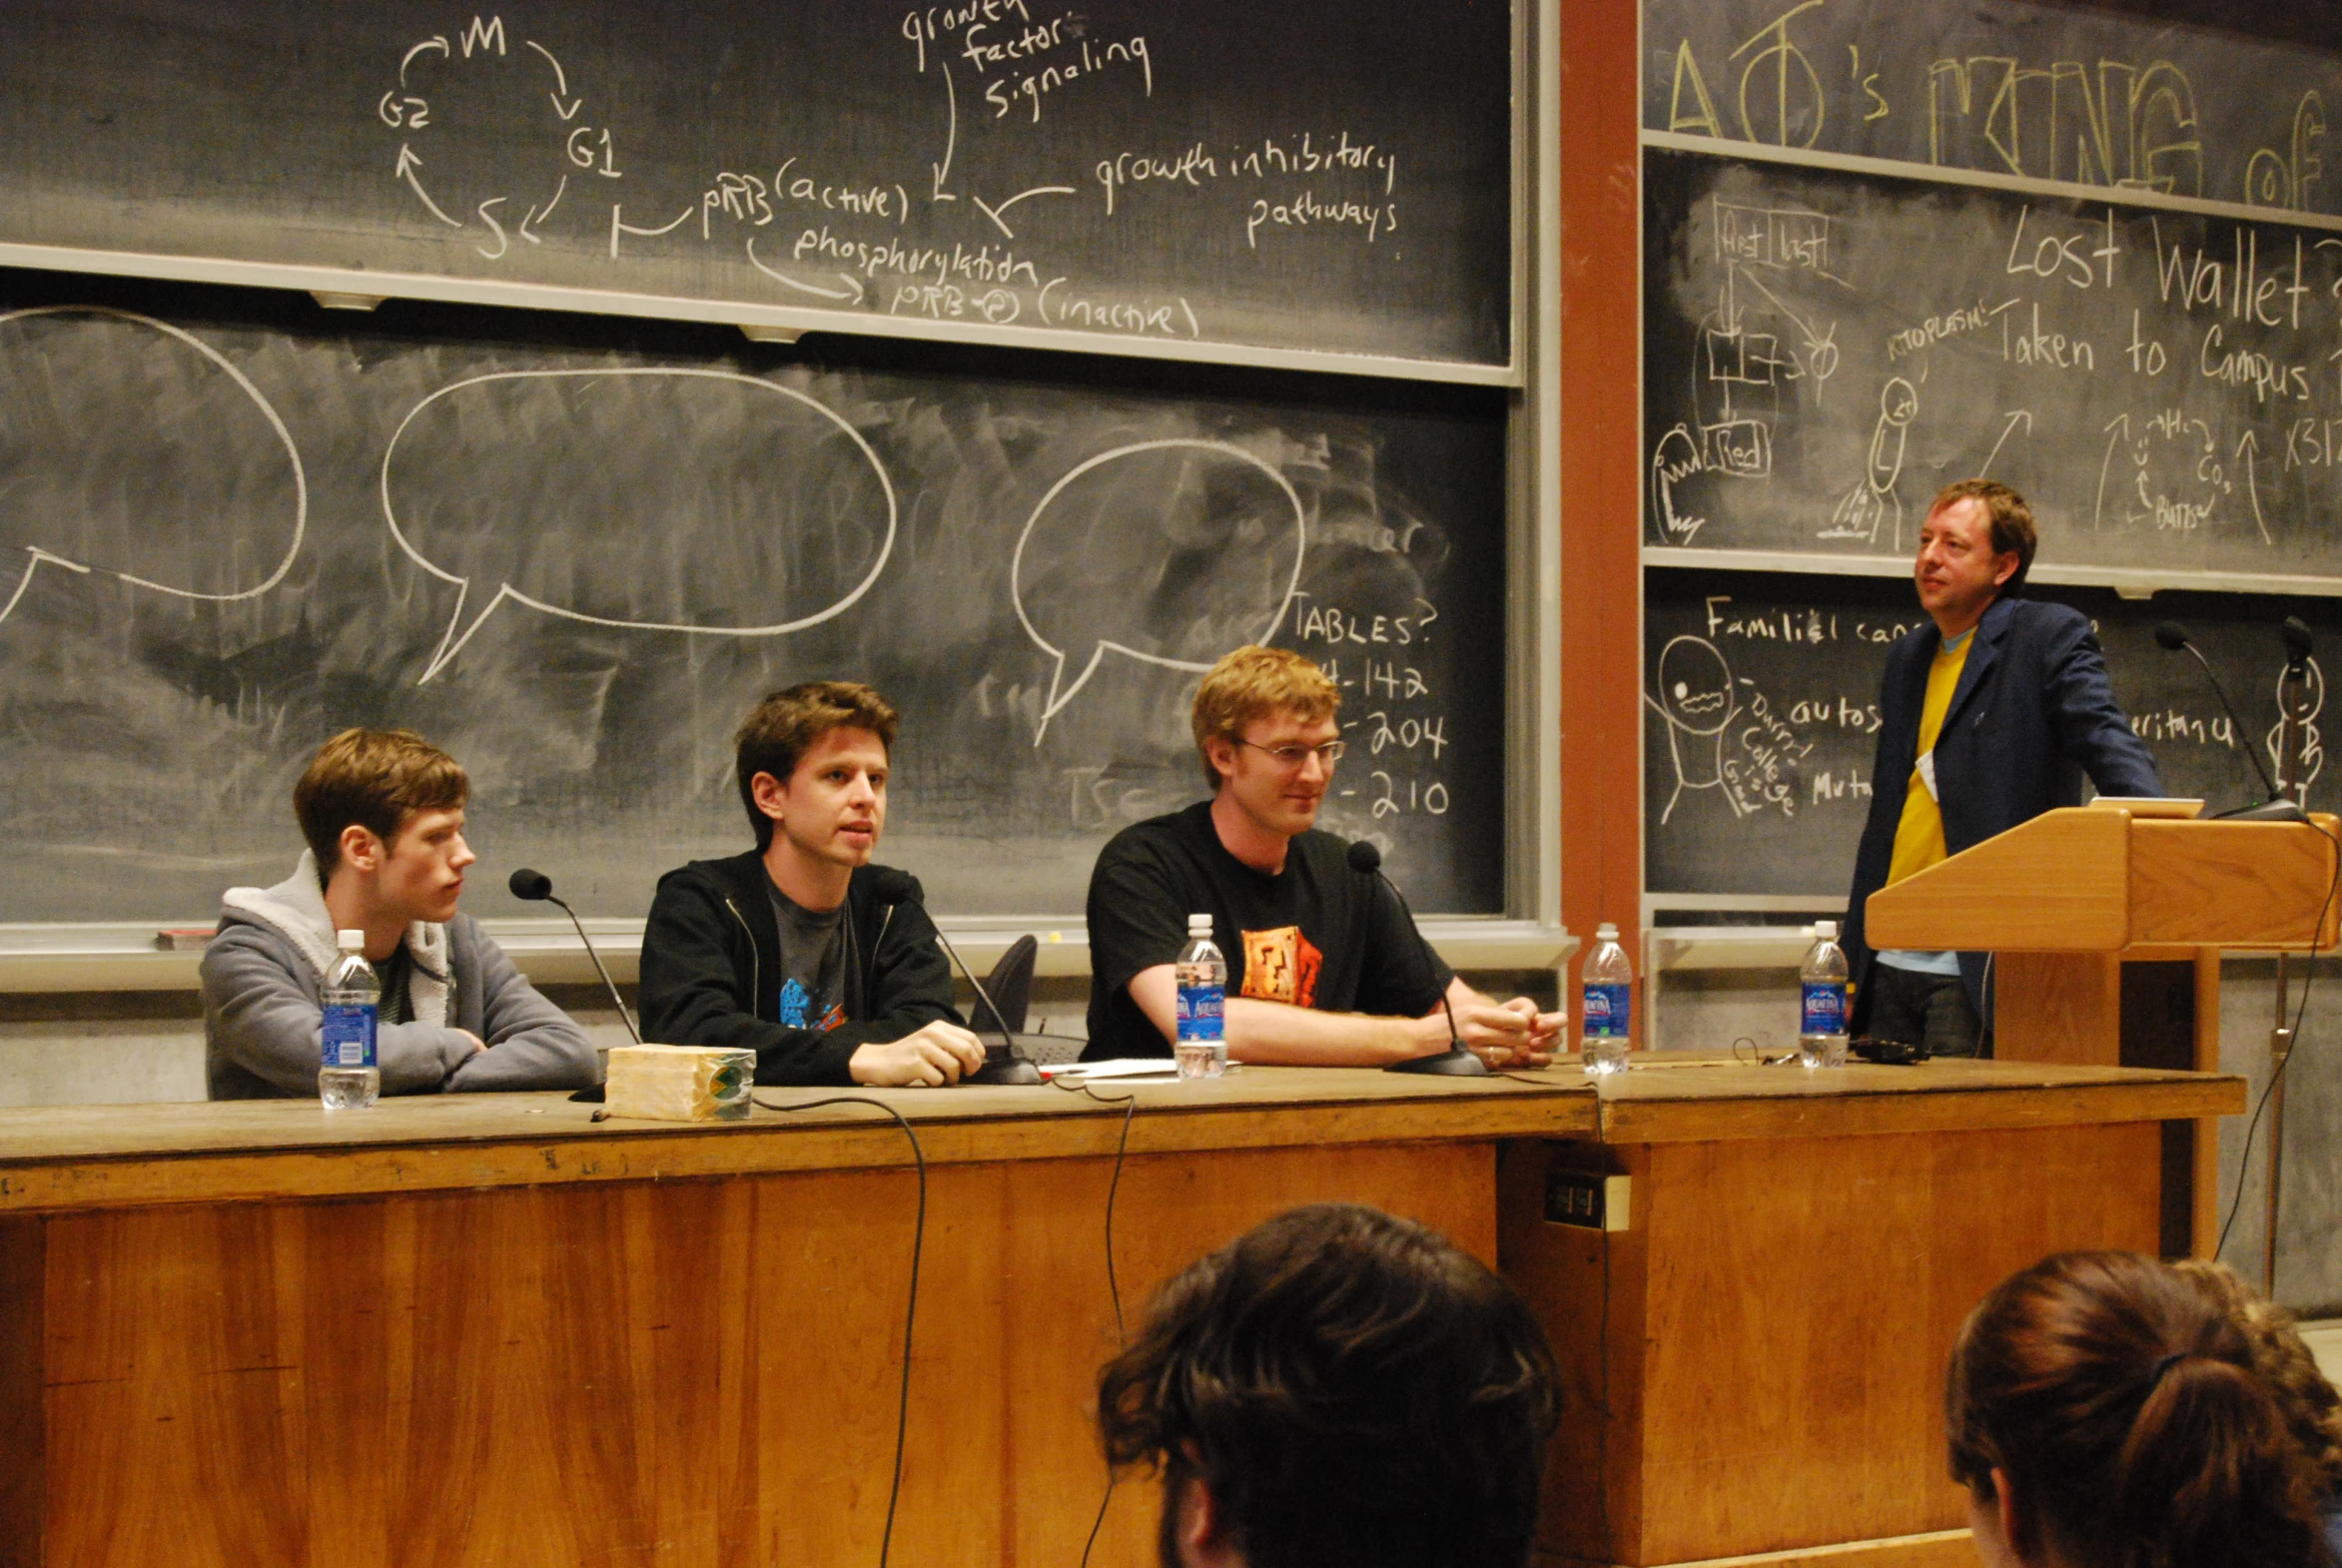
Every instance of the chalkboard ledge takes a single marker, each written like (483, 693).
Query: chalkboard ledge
(2131, 582)
(351, 288)
(122, 956)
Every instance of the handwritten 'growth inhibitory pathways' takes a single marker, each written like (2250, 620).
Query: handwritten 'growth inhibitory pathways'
(494, 132)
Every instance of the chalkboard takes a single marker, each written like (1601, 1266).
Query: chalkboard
(1760, 719)
(1303, 176)
(2080, 93)
(575, 551)
(1824, 351)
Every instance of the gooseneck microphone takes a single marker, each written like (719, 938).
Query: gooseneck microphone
(536, 887)
(2172, 636)
(1455, 1060)
(2295, 636)
(2293, 707)
(1001, 1065)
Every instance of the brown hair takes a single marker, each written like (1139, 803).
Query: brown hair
(2125, 1409)
(377, 779)
(783, 727)
(2313, 1410)
(1352, 1388)
(2011, 520)
(1251, 683)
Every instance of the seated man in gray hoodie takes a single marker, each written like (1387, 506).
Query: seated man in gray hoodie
(383, 810)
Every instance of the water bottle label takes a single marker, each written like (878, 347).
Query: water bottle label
(1609, 1010)
(1200, 1013)
(1825, 1010)
(349, 1037)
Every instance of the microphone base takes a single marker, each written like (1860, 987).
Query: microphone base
(1457, 1063)
(1005, 1068)
(2271, 811)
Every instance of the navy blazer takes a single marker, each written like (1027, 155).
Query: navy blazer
(2033, 713)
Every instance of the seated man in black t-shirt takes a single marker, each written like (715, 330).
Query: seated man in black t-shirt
(1325, 968)
(801, 949)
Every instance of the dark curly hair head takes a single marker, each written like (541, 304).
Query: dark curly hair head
(1351, 1388)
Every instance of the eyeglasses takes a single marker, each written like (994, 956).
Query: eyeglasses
(1292, 756)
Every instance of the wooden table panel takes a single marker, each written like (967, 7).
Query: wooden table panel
(480, 1329)
(684, 1373)
(24, 1264)
(1782, 1313)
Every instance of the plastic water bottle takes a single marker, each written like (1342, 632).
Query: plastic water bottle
(1820, 1033)
(1609, 1004)
(348, 1079)
(1201, 970)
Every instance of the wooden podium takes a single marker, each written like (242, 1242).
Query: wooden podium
(2106, 931)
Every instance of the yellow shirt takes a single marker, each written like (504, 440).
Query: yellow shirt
(1918, 837)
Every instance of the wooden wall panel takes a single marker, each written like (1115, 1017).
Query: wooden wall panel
(1813, 1290)
(1601, 466)
(1785, 1309)
(2057, 1006)
(672, 1374)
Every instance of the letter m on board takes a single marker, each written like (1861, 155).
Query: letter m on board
(480, 34)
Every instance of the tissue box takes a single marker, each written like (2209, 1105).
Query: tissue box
(680, 1083)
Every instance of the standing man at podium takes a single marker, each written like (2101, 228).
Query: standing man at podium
(1988, 716)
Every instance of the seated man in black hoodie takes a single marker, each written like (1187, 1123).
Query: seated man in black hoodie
(797, 951)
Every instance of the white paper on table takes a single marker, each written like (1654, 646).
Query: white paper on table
(1118, 1067)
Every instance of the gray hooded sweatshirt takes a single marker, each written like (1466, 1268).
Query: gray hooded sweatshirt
(263, 972)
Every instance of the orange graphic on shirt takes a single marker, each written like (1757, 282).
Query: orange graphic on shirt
(1282, 966)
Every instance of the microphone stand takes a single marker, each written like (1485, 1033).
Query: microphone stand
(1455, 1060)
(1001, 1065)
(610, 985)
(2293, 712)
(537, 888)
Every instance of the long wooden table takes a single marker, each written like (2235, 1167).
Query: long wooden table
(485, 1329)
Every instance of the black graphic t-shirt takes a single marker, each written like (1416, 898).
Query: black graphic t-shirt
(1316, 935)
(816, 963)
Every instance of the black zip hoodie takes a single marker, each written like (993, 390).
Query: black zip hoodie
(711, 967)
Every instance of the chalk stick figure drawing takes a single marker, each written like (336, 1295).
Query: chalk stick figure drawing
(1874, 499)
(1085, 612)
(14, 457)
(2313, 753)
(1696, 699)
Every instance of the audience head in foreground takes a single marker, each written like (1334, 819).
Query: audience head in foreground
(2312, 1408)
(2106, 1411)
(1337, 1386)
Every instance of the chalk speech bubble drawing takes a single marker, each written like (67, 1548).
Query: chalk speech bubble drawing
(124, 439)
(644, 498)
(1211, 586)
